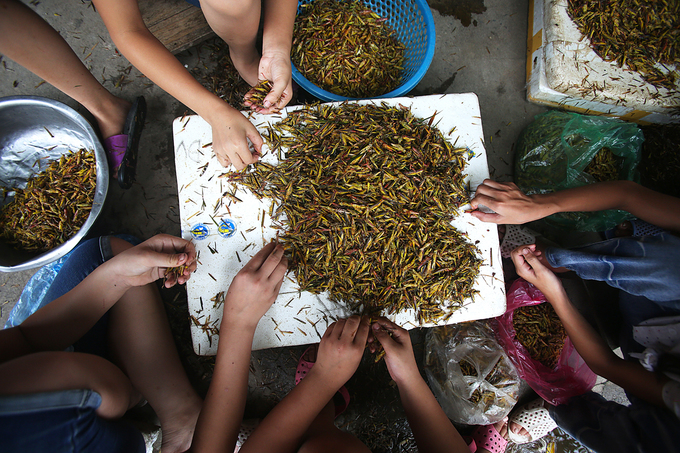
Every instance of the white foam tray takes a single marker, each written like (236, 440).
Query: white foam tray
(301, 317)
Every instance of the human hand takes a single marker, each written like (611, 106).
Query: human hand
(340, 350)
(275, 67)
(531, 269)
(255, 287)
(148, 261)
(230, 133)
(396, 341)
(510, 204)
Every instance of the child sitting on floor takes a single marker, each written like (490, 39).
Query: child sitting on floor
(98, 347)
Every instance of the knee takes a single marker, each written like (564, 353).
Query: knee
(57, 370)
(119, 245)
(233, 10)
(105, 378)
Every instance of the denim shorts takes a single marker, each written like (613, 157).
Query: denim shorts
(66, 421)
(63, 421)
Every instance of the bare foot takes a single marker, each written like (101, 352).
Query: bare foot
(623, 230)
(515, 428)
(178, 431)
(502, 428)
(540, 249)
(246, 63)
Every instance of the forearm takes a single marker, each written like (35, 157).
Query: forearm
(134, 40)
(283, 428)
(432, 430)
(279, 20)
(66, 319)
(601, 359)
(220, 420)
(148, 55)
(653, 207)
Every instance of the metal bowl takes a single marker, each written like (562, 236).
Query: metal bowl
(33, 128)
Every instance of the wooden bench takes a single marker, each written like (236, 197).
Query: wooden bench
(176, 23)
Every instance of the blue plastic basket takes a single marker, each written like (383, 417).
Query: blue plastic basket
(413, 23)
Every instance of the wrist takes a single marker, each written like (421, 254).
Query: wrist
(413, 384)
(323, 380)
(556, 296)
(215, 110)
(280, 50)
(241, 324)
(545, 204)
(118, 281)
(409, 379)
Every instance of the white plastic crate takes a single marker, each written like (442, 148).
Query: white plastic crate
(563, 71)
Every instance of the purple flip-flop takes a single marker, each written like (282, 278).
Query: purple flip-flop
(121, 150)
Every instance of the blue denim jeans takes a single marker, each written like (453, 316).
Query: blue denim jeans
(647, 266)
(646, 270)
(65, 421)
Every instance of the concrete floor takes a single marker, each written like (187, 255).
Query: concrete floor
(488, 57)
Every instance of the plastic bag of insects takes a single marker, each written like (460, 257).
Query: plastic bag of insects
(472, 377)
(552, 367)
(562, 150)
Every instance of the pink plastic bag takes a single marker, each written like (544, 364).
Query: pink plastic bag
(571, 375)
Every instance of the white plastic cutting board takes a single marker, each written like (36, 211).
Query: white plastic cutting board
(224, 231)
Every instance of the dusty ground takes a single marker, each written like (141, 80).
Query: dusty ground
(481, 48)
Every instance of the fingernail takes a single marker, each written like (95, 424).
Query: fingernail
(376, 326)
(525, 251)
(267, 104)
(182, 256)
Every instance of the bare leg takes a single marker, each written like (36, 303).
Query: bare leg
(237, 22)
(57, 370)
(34, 44)
(141, 343)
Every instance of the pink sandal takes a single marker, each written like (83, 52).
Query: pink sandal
(122, 149)
(488, 438)
(303, 368)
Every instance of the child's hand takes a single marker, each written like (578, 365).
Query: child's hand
(231, 132)
(530, 268)
(398, 350)
(341, 349)
(510, 205)
(275, 67)
(255, 287)
(148, 261)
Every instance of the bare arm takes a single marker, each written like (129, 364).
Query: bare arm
(250, 295)
(230, 128)
(628, 374)
(431, 428)
(277, 38)
(64, 320)
(339, 354)
(514, 207)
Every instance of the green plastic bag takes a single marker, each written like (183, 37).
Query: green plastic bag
(555, 149)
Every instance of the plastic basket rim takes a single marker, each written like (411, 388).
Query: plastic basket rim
(401, 90)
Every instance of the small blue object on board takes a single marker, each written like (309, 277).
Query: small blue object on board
(413, 23)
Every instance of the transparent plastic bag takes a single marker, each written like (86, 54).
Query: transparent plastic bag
(555, 149)
(489, 389)
(570, 377)
(33, 295)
